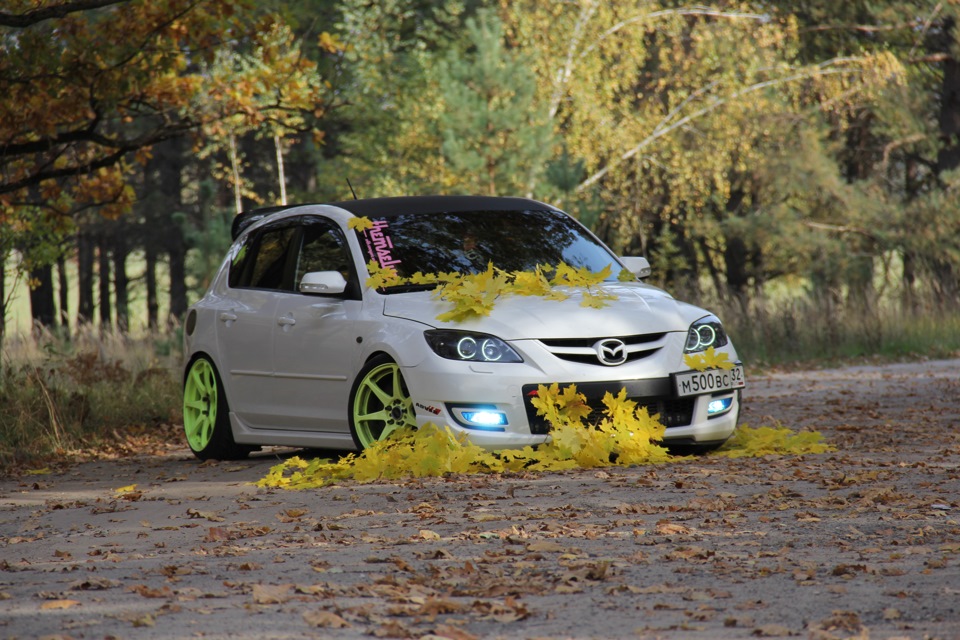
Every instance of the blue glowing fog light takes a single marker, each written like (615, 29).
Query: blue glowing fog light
(719, 406)
(485, 418)
(481, 418)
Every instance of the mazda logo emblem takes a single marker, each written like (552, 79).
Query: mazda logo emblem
(611, 352)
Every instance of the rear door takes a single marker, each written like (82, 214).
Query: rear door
(246, 323)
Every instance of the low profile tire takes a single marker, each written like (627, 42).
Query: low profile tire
(206, 416)
(379, 402)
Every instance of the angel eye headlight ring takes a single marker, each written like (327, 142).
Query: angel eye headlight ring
(705, 333)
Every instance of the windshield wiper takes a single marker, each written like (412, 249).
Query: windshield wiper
(408, 288)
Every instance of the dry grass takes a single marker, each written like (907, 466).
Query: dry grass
(816, 333)
(62, 397)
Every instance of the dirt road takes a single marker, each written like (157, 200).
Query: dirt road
(860, 543)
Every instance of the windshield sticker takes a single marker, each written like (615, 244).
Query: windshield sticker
(379, 244)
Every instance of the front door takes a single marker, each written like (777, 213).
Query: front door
(315, 337)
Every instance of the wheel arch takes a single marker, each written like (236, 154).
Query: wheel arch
(196, 355)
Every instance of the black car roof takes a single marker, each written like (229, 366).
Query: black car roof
(386, 207)
(400, 205)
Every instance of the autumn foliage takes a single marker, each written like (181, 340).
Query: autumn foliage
(81, 104)
(624, 436)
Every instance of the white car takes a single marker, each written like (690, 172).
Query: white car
(289, 346)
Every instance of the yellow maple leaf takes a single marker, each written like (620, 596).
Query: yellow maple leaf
(717, 359)
(360, 223)
(709, 359)
(382, 277)
(762, 441)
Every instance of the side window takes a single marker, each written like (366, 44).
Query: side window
(271, 259)
(322, 248)
(239, 265)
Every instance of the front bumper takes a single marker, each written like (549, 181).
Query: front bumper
(442, 389)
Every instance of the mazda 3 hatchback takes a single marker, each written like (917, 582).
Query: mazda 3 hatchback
(292, 346)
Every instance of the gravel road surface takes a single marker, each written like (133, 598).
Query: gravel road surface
(860, 543)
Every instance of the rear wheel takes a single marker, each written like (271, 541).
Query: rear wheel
(206, 416)
(379, 402)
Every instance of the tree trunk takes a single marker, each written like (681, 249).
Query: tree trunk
(3, 301)
(42, 308)
(153, 308)
(85, 250)
(167, 236)
(944, 271)
(120, 281)
(64, 291)
(104, 268)
(178, 280)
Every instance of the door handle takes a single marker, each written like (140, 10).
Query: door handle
(286, 321)
(226, 316)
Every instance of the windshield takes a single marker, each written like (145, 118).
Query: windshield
(465, 242)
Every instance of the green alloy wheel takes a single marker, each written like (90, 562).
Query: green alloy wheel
(206, 416)
(380, 403)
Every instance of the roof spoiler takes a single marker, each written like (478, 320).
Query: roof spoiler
(246, 218)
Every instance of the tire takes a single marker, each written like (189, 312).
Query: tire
(206, 415)
(379, 402)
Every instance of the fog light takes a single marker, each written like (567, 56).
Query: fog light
(485, 418)
(719, 406)
(482, 418)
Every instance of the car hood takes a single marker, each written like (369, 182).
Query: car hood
(638, 309)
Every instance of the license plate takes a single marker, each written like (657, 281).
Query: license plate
(696, 382)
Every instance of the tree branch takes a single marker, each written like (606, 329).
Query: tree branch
(663, 128)
(120, 150)
(24, 20)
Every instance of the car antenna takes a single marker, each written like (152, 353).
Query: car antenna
(351, 190)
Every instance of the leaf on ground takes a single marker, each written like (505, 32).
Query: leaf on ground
(324, 619)
(771, 631)
(151, 592)
(450, 632)
(205, 515)
(624, 435)
(272, 593)
(59, 604)
(761, 441)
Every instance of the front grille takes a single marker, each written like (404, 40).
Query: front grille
(672, 411)
(581, 350)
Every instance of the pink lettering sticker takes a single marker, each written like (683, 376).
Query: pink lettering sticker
(379, 244)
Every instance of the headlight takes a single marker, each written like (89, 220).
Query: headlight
(473, 347)
(705, 333)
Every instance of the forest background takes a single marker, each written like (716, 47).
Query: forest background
(792, 165)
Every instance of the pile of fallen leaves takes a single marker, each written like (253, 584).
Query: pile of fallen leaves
(625, 436)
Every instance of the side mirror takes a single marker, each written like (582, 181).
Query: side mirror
(637, 265)
(323, 283)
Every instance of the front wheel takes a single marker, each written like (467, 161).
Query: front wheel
(379, 402)
(206, 416)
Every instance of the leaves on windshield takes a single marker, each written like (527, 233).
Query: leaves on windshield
(360, 223)
(474, 295)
